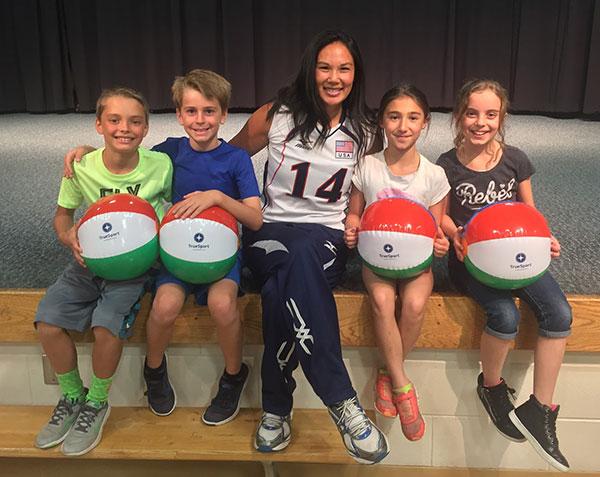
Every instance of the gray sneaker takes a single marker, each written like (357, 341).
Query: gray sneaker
(274, 432)
(87, 430)
(63, 417)
(363, 440)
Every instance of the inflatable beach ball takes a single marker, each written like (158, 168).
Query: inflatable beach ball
(507, 245)
(119, 237)
(395, 239)
(202, 249)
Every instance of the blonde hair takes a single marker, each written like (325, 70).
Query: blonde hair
(208, 83)
(462, 101)
(123, 92)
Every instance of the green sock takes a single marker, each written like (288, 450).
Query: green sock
(403, 389)
(70, 384)
(98, 393)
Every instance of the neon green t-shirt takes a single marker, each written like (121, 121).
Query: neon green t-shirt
(150, 180)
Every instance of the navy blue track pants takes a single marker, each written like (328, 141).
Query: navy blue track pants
(297, 266)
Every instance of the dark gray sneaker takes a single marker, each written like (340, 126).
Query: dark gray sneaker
(537, 422)
(498, 401)
(226, 404)
(62, 419)
(87, 430)
(161, 395)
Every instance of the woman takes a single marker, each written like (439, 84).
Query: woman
(315, 130)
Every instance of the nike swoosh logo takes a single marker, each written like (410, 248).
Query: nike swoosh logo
(270, 246)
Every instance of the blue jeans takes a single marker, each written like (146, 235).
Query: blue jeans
(544, 296)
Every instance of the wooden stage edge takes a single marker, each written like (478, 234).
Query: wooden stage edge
(452, 321)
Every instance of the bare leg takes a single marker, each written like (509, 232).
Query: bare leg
(58, 346)
(547, 359)
(222, 305)
(167, 304)
(413, 298)
(382, 294)
(106, 353)
(493, 353)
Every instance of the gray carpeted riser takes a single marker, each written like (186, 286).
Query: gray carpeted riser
(32, 146)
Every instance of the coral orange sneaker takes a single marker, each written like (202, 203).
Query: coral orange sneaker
(383, 395)
(407, 406)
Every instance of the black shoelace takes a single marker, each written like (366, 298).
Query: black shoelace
(550, 428)
(500, 394)
(62, 409)
(86, 418)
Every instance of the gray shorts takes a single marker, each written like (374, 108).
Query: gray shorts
(79, 300)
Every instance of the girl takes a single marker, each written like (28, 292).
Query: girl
(480, 167)
(398, 305)
(315, 130)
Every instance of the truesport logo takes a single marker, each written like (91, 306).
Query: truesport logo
(106, 227)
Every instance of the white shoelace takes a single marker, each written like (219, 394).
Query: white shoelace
(352, 416)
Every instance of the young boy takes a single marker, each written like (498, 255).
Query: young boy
(207, 172)
(79, 300)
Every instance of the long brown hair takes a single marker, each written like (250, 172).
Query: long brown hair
(462, 101)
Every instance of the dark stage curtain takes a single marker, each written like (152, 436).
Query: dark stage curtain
(56, 55)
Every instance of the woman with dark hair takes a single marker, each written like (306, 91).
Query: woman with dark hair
(315, 130)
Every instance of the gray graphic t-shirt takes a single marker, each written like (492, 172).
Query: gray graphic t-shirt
(472, 190)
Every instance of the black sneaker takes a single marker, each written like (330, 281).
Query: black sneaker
(537, 422)
(160, 393)
(226, 404)
(498, 402)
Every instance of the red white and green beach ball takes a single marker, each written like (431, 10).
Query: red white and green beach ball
(395, 239)
(119, 237)
(507, 245)
(202, 249)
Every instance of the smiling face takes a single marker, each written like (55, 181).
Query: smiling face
(123, 124)
(402, 121)
(201, 118)
(334, 76)
(481, 120)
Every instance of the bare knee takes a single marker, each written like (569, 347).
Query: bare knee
(103, 336)
(165, 310)
(223, 309)
(413, 309)
(47, 331)
(382, 302)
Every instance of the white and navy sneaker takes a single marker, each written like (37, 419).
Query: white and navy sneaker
(363, 440)
(274, 432)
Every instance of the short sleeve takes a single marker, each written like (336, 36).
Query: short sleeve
(69, 196)
(170, 147)
(168, 183)
(358, 178)
(440, 185)
(245, 177)
(523, 165)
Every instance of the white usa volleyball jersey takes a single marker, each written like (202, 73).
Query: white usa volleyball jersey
(304, 183)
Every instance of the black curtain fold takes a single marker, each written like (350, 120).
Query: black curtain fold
(57, 55)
